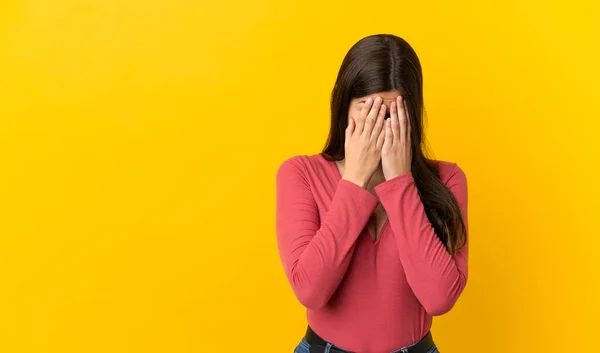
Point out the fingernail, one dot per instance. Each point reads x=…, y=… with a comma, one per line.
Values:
x=369, y=100
x=378, y=99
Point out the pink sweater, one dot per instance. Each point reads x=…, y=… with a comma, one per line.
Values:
x=360, y=295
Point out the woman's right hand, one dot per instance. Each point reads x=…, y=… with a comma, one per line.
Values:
x=364, y=141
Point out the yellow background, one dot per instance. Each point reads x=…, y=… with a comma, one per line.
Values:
x=139, y=142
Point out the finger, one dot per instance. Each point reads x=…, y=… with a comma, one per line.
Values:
x=360, y=121
x=402, y=120
x=393, y=114
x=372, y=117
x=396, y=121
x=349, y=129
x=388, y=139
x=381, y=138
x=379, y=123
x=408, y=131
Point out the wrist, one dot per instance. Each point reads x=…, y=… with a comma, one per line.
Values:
x=356, y=180
x=394, y=175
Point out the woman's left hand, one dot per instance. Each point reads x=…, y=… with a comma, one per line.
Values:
x=396, y=154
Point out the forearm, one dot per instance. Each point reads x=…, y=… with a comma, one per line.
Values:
x=436, y=277
x=316, y=253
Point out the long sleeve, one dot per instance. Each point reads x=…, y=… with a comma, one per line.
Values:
x=316, y=253
x=436, y=278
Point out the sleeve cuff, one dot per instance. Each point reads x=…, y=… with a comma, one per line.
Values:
x=362, y=193
x=394, y=183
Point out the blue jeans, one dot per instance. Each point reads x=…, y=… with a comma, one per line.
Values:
x=304, y=347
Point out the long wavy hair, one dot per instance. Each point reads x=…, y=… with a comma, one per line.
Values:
x=385, y=62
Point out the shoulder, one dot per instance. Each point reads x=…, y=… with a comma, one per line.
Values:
x=295, y=163
x=450, y=172
x=299, y=165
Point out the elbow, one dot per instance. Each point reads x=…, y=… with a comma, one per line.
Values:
x=440, y=306
x=311, y=298
x=444, y=302
x=309, y=292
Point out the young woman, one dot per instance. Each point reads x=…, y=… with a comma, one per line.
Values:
x=372, y=235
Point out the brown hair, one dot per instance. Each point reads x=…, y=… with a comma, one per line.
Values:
x=385, y=62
